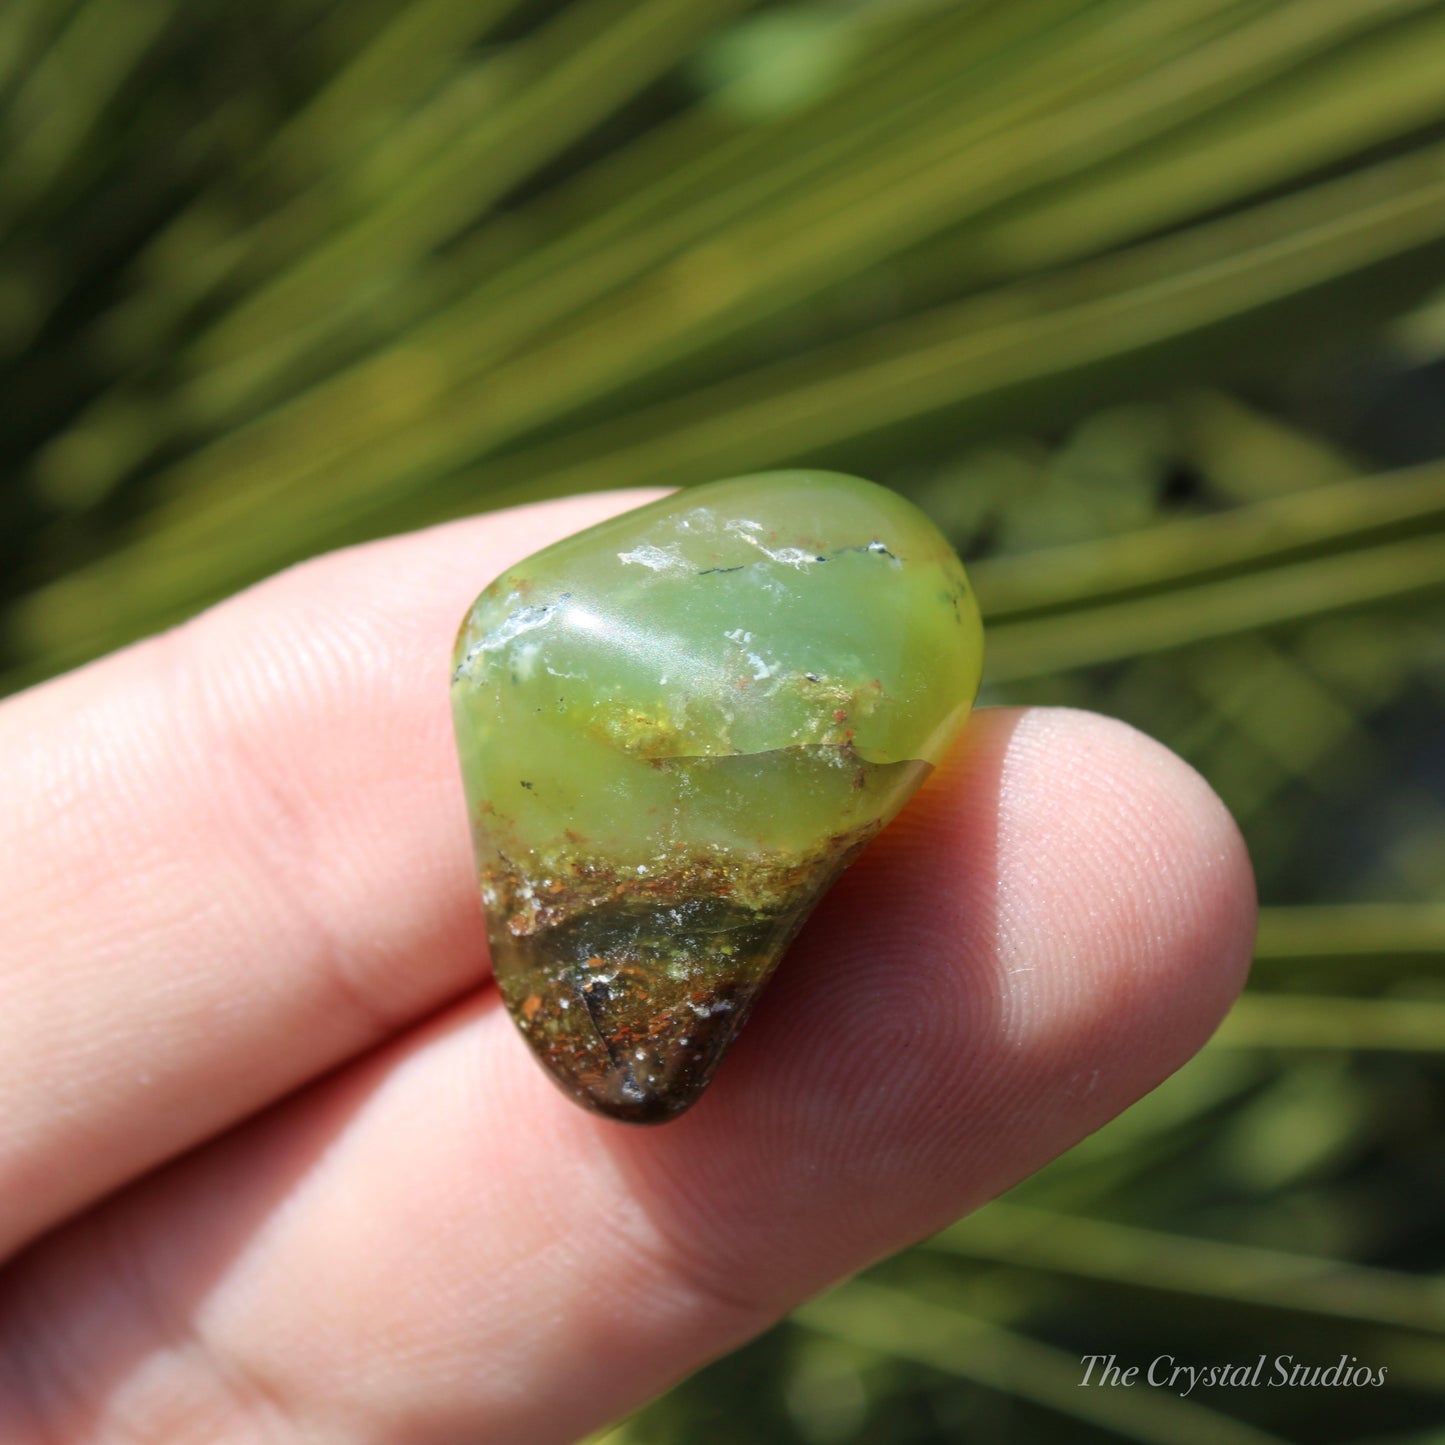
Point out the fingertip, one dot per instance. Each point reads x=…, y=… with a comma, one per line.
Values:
x=1056, y=923
x=1121, y=897
x=1120, y=858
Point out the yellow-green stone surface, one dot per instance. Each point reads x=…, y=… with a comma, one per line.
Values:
x=676, y=728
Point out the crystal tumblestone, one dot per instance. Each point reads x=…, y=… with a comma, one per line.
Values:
x=676, y=729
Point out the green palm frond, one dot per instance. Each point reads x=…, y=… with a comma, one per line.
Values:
x=895, y=1323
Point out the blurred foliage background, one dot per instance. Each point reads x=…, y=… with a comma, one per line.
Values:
x=1140, y=299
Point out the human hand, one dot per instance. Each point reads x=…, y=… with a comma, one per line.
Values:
x=274, y=1165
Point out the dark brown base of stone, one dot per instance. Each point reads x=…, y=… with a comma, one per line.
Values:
x=632, y=1005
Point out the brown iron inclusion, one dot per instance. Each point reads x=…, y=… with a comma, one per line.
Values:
x=676, y=729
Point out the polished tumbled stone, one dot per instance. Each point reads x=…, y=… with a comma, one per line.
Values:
x=676, y=728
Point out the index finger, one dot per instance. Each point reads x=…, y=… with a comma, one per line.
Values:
x=234, y=855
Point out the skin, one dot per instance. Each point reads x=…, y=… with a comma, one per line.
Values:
x=275, y=1167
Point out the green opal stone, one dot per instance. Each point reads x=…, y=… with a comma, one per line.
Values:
x=676, y=729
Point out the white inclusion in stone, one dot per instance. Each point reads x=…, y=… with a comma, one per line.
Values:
x=788, y=556
x=655, y=559
x=706, y=1010
x=794, y=556
x=760, y=668
x=518, y=621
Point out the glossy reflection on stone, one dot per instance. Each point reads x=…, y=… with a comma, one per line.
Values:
x=676, y=729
